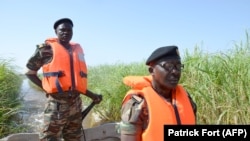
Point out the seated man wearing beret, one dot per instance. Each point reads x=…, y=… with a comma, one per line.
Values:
x=64, y=79
x=157, y=99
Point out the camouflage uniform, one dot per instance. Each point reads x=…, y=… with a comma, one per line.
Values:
x=62, y=112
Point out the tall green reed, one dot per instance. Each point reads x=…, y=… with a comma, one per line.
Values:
x=10, y=83
x=219, y=84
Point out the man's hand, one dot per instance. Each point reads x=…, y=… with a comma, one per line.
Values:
x=95, y=97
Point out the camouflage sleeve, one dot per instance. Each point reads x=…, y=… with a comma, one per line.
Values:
x=35, y=61
x=133, y=117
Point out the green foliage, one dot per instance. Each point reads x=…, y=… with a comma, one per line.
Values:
x=10, y=83
x=219, y=84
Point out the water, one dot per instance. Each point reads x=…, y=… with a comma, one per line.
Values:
x=33, y=106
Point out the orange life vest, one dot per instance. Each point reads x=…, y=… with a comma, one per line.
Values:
x=160, y=112
x=67, y=69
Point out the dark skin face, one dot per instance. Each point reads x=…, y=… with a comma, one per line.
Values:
x=64, y=32
x=166, y=75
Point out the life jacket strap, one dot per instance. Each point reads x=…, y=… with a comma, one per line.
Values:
x=57, y=75
x=83, y=74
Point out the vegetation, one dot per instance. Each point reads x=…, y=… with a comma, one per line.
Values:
x=219, y=83
x=10, y=83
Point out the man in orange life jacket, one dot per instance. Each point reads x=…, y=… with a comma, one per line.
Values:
x=64, y=79
x=156, y=99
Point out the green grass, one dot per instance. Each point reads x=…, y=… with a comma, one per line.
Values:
x=10, y=83
x=219, y=84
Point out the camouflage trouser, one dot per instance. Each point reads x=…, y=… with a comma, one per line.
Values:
x=62, y=118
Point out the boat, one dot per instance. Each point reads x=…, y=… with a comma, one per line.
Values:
x=103, y=132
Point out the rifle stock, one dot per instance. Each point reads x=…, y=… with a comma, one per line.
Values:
x=87, y=110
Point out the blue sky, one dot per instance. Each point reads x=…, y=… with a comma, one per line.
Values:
x=113, y=31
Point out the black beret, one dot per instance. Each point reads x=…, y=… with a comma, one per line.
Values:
x=166, y=52
x=63, y=20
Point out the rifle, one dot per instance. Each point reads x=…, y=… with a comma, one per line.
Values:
x=87, y=110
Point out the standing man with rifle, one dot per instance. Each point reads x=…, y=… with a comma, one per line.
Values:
x=64, y=79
